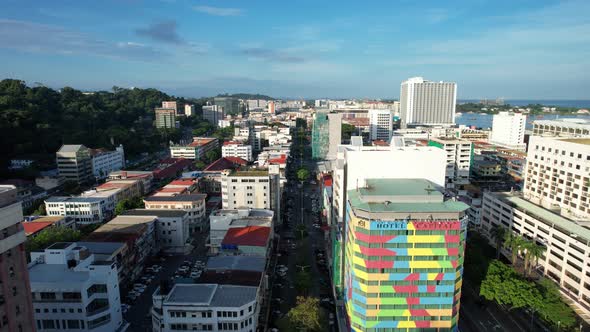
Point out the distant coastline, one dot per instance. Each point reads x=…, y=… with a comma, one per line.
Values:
x=548, y=102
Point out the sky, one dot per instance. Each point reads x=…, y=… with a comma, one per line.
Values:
x=517, y=49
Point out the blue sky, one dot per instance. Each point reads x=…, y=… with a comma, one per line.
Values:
x=516, y=49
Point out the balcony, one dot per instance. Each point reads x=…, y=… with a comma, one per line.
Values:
x=96, y=311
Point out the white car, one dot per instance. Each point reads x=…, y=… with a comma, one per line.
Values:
x=195, y=275
x=183, y=269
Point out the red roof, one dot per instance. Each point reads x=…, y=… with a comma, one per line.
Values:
x=247, y=236
x=281, y=160
x=197, y=141
x=32, y=227
x=225, y=163
x=171, y=190
x=380, y=142
x=231, y=143
x=182, y=183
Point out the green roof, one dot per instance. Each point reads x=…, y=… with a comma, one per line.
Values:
x=250, y=173
x=565, y=224
x=402, y=195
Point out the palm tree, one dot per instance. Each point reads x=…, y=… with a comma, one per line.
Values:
x=534, y=252
x=498, y=234
x=515, y=244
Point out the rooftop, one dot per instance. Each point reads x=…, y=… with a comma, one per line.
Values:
x=212, y=295
x=583, y=141
x=247, y=236
x=50, y=219
x=241, y=263
x=35, y=227
x=105, y=248
x=225, y=163
x=56, y=276
x=70, y=148
x=567, y=225
x=177, y=198
x=200, y=141
x=231, y=277
x=157, y=213
x=402, y=195
x=252, y=172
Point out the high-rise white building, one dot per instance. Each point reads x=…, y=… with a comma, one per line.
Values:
x=508, y=130
x=558, y=175
x=355, y=164
x=380, y=124
x=427, y=103
x=562, y=127
x=72, y=290
x=213, y=113
x=236, y=149
x=246, y=189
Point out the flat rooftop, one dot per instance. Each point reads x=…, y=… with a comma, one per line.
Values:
x=52, y=277
x=252, y=172
x=583, y=141
x=177, y=198
x=212, y=295
x=565, y=224
x=241, y=263
x=402, y=195
x=157, y=213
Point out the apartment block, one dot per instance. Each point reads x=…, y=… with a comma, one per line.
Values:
x=236, y=149
x=213, y=113
x=189, y=110
x=402, y=257
x=105, y=162
x=74, y=163
x=170, y=105
x=508, y=130
x=205, y=307
x=326, y=134
x=74, y=291
x=562, y=128
x=459, y=157
x=165, y=118
x=196, y=150
x=565, y=260
x=172, y=229
x=194, y=204
x=229, y=105
x=380, y=124
x=558, y=175
x=427, y=103
x=246, y=189
x=16, y=308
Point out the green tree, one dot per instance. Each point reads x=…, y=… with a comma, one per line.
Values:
x=212, y=155
x=531, y=257
x=514, y=243
x=498, y=235
x=504, y=286
x=200, y=165
x=347, y=131
x=306, y=314
x=50, y=235
x=554, y=310
x=303, y=282
x=302, y=174
x=128, y=204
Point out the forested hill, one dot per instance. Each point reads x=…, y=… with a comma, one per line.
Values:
x=38, y=120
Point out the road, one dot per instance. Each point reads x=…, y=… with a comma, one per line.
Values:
x=299, y=254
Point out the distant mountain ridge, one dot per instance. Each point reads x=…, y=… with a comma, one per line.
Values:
x=247, y=96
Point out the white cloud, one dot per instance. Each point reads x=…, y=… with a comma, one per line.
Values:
x=219, y=11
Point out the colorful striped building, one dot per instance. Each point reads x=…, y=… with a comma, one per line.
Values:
x=402, y=250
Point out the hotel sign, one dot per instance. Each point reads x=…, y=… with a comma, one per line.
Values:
x=391, y=225
x=436, y=225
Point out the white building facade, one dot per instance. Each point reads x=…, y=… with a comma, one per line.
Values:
x=73, y=291
x=105, y=162
x=205, y=307
x=459, y=155
x=235, y=149
x=172, y=229
x=248, y=189
x=557, y=175
x=428, y=103
x=508, y=130
x=380, y=124
x=84, y=210
x=194, y=204
x=213, y=113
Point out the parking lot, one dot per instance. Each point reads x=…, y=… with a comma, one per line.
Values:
x=138, y=308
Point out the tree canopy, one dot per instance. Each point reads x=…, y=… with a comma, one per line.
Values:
x=50, y=235
x=302, y=174
x=128, y=204
x=38, y=120
x=306, y=314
